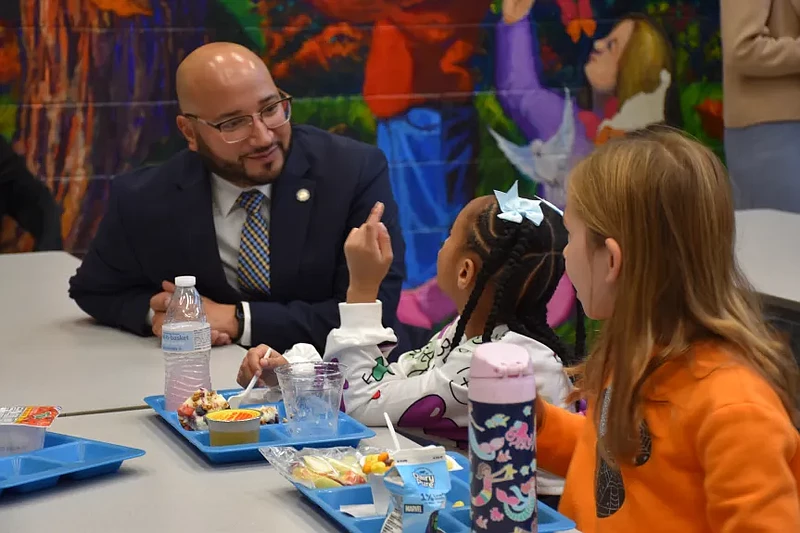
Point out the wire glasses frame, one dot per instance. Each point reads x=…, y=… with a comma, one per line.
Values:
x=236, y=129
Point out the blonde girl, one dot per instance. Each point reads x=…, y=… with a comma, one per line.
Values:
x=692, y=416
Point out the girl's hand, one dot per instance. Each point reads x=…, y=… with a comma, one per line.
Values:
x=261, y=360
x=368, y=250
x=516, y=10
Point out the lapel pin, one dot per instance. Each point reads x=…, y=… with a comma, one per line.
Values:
x=303, y=195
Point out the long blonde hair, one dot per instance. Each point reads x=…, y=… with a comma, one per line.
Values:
x=667, y=201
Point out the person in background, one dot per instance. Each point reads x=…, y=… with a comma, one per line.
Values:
x=500, y=265
x=28, y=201
x=257, y=208
x=692, y=398
x=761, y=84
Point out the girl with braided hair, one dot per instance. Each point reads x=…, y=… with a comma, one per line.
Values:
x=500, y=264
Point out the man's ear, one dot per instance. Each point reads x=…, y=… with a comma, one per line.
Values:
x=187, y=129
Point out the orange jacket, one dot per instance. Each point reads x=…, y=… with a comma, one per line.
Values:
x=724, y=457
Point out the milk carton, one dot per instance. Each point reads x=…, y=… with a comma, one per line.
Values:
x=418, y=483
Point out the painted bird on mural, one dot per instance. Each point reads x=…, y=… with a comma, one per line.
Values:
x=577, y=17
x=545, y=162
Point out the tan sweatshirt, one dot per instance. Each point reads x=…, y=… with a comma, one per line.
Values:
x=761, y=61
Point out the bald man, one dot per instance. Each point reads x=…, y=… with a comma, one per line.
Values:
x=257, y=208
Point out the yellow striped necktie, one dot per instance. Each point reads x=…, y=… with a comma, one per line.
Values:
x=253, y=269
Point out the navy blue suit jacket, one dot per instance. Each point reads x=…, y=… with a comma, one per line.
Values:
x=159, y=224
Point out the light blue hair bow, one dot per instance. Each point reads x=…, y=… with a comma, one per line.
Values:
x=514, y=209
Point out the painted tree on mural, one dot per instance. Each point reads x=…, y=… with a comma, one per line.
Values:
x=96, y=78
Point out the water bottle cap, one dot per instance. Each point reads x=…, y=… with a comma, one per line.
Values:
x=185, y=281
x=500, y=360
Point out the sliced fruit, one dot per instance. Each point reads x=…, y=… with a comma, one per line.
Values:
x=320, y=466
x=322, y=482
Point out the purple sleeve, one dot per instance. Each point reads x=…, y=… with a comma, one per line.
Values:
x=537, y=111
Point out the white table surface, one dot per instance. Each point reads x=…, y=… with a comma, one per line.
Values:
x=52, y=353
x=768, y=250
x=171, y=488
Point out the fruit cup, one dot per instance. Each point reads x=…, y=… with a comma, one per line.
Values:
x=230, y=427
x=376, y=466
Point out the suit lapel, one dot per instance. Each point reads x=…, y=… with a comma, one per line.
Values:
x=291, y=207
x=194, y=232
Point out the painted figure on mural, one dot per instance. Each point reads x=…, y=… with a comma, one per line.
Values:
x=419, y=86
x=629, y=72
x=630, y=75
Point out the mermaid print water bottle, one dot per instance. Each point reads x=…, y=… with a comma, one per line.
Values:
x=502, y=440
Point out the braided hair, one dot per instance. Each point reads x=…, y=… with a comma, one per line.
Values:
x=525, y=263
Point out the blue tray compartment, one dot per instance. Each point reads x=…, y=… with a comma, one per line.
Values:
x=62, y=457
x=451, y=519
x=351, y=433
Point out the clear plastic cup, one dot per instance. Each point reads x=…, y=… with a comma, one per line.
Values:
x=312, y=394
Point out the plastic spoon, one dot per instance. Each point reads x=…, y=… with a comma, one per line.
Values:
x=391, y=431
x=236, y=400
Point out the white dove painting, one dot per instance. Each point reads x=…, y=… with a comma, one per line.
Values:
x=546, y=162
x=641, y=109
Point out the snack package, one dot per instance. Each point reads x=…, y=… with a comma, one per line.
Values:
x=23, y=428
x=418, y=481
x=333, y=467
x=318, y=468
x=30, y=415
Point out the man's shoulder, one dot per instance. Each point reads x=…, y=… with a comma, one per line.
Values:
x=328, y=151
x=155, y=177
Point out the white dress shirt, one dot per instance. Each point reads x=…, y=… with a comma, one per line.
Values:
x=229, y=219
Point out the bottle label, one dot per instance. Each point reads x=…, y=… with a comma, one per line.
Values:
x=189, y=341
x=502, y=452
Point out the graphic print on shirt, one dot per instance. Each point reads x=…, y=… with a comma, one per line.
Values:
x=421, y=360
x=609, y=485
x=380, y=370
x=504, y=486
x=428, y=413
x=462, y=380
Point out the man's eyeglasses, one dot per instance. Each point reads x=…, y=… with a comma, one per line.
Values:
x=236, y=129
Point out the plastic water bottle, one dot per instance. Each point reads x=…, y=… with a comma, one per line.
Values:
x=502, y=440
x=186, y=342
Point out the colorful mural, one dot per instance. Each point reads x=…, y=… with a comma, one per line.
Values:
x=463, y=97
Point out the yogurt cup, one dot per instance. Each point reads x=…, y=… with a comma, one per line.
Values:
x=230, y=427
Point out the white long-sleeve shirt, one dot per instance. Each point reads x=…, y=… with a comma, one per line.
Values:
x=426, y=389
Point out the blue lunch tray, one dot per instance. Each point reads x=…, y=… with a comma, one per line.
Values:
x=451, y=519
x=351, y=432
x=61, y=457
